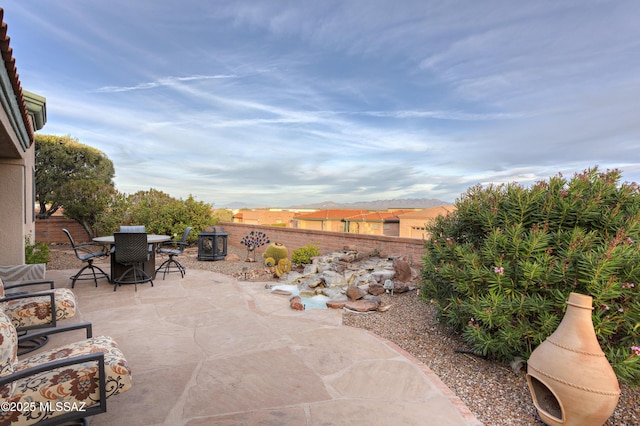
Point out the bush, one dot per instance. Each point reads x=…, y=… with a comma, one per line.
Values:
x=36, y=252
x=501, y=268
x=159, y=212
x=303, y=255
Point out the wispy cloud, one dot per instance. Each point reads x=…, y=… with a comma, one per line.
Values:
x=162, y=82
x=447, y=115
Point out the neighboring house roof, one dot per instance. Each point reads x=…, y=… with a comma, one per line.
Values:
x=351, y=215
x=430, y=213
x=331, y=214
x=377, y=216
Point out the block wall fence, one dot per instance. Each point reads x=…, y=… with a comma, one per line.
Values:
x=410, y=248
x=50, y=231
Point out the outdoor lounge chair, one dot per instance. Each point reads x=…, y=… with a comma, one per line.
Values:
x=87, y=253
x=35, y=310
x=132, y=250
x=67, y=383
x=173, y=248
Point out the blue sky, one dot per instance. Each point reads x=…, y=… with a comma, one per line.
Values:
x=276, y=103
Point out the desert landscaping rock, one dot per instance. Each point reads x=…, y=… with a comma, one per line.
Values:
x=402, y=270
x=296, y=303
x=376, y=289
x=355, y=293
x=362, y=305
x=399, y=287
x=333, y=279
x=337, y=304
x=349, y=273
x=382, y=275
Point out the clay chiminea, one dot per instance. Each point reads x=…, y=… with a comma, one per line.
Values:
x=569, y=378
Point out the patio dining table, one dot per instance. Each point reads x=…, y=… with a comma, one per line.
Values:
x=118, y=269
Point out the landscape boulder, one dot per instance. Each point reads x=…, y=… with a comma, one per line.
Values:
x=338, y=302
x=402, y=270
x=376, y=289
x=311, y=268
x=401, y=288
x=333, y=279
x=296, y=303
x=361, y=305
x=355, y=292
x=381, y=275
x=312, y=281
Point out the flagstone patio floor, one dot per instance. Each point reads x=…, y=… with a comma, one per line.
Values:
x=208, y=349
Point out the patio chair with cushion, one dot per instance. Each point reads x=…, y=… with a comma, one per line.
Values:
x=173, y=248
x=67, y=383
x=87, y=253
x=132, y=250
x=30, y=311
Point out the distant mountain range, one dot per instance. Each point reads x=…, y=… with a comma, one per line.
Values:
x=404, y=203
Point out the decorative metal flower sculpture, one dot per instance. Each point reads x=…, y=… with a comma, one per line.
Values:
x=252, y=241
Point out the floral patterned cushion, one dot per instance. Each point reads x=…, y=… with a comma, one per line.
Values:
x=67, y=385
x=37, y=310
x=8, y=349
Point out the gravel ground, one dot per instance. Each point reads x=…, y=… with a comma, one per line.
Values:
x=494, y=392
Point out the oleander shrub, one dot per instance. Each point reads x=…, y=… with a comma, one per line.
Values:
x=303, y=255
x=501, y=267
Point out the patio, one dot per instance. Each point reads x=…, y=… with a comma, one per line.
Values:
x=208, y=349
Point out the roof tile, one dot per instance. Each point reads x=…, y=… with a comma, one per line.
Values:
x=12, y=71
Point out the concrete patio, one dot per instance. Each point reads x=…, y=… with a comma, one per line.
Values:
x=208, y=349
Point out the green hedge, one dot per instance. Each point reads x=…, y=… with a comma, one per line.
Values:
x=501, y=268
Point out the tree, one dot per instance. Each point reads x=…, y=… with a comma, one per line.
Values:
x=85, y=201
x=223, y=215
x=61, y=162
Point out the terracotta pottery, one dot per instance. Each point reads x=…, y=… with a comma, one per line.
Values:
x=569, y=378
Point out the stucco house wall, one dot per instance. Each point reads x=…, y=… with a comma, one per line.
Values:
x=412, y=225
x=267, y=217
x=320, y=225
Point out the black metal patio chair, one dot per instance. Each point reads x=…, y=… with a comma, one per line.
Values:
x=173, y=248
x=87, y=253
x=132, y=250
